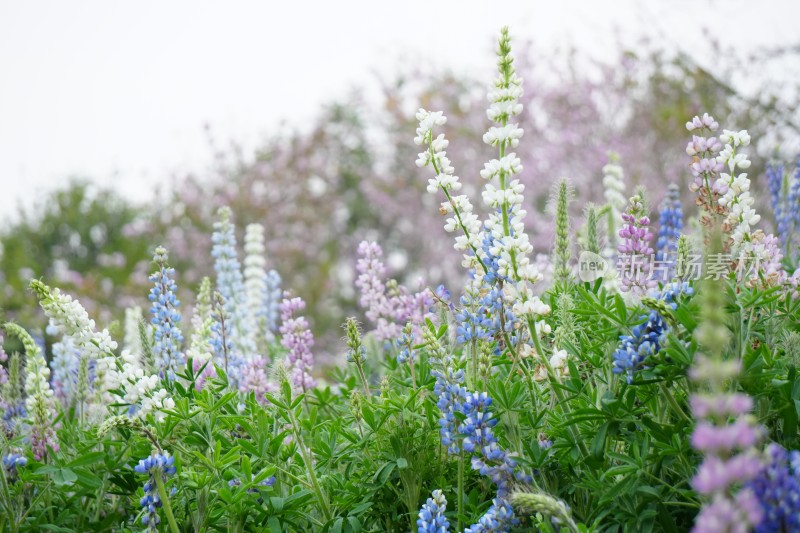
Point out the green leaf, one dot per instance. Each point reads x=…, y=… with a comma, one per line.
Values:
x=87, y=459
x=355, y=524
x=384, y=472
x=63, y=476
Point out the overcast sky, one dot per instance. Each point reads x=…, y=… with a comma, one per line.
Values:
x=119, y=92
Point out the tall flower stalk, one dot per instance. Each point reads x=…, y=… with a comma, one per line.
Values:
x=297, y=338
x=230, y=284
x=670, y=224
x=726, y=434
x=38, y=396
x=97, y=348
x=168, y=338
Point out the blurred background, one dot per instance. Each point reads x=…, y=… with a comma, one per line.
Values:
x=124, y=126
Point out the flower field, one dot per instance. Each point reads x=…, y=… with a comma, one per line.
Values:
x=636, y=370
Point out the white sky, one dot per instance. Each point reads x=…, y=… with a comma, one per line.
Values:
x=119, y=92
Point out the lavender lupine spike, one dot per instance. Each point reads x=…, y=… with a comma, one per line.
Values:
x=254, y=379
x=255, y=274
x=634, y=249
x=230, y=282
x=670, y=224
x=388, y=305
x=297, y=338
x=725, y=433
x=39, y=396
x=166, y=318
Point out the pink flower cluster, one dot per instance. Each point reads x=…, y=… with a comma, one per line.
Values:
x=297, y=338
x=389, y=308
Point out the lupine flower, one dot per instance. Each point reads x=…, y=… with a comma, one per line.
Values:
x=458, y=208
x=254, y=379
x=431, y=516
x=487, y=456
x=166, y=317
x=539, y=502
x=39, y=396
x=271, y=301
x=562, y=251
x=474, y=319
x=64, y=366
x=778, y=191
x=201, y=349
x=727, y=194
x=255, y=278
x=777, y=487
x=11, y=462
x=406, y=345
x=705, y=167
x=270, y=481
x=448, y=389
x=388, y=305
x=726, y=434
x=3, y=372
x=222, y=341
x=634, y=249
x=647, y=338
x=158, y=464
x=614, y=192
x=230, y=282
x=590, y=239
x=670, y=224
x=143, y=395
x=792, y=209
x=132, y=348
x=97, y=348
x=297, y=338
x=506, y=220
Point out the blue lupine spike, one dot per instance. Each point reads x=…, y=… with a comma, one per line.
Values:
x=166, y=317
x=669, y=230
x=647, y=338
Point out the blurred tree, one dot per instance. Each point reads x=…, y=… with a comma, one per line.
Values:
x=76, y=239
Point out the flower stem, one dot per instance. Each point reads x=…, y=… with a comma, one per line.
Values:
x=162, y=492
x=321, y=498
